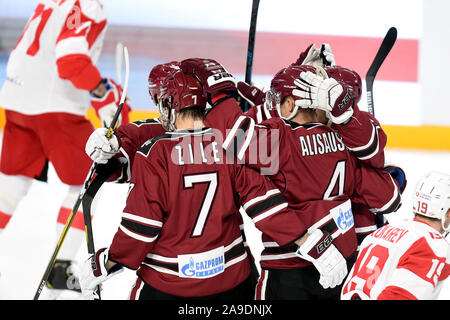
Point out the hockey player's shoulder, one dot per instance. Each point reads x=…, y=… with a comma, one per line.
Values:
x=150, y=144
x=140, y=123
x=93, y=9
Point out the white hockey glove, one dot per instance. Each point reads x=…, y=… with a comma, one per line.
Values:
x=327, y=55
x=94, y=273
x=327, y=94
x=319, y=250
x=318, y=58
x=99, y=148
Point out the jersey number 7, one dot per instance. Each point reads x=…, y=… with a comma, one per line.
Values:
x=202, y=216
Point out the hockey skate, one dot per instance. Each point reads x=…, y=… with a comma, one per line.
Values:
x=62, y=283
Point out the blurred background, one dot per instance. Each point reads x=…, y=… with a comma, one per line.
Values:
x=410, y=89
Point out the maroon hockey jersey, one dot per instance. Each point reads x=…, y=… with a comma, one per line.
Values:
x=180, y=226
x=364, y=137
x=131, y=137
x=306, y=162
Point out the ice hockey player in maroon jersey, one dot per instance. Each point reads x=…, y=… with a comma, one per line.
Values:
x=307, y=160
x=128, y=138
x=184, y=234
x=362, y=133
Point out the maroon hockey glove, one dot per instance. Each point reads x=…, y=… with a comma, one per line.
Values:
x=304, y=54
x=252, y=94
x=211, y=74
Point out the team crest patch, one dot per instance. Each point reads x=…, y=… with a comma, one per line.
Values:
x=202, y=265
x=343, y=216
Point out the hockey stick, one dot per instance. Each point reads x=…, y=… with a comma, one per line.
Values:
x=251, y=46
x=119, y=60
x=84, y=188
x=383, y=51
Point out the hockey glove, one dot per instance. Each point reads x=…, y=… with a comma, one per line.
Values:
x=252, y=94
x=327, y=94
x=211, y=74
x=99, y=148
x=94, y=273
x=315, y=57
x=398, y=175
x=106, y=106
x=319, y=250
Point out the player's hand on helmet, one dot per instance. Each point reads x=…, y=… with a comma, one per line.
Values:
x=329, y=262
x=320, y=92
x=99, y=148
x=315, y=57
x=213, y=76
x=106, y=105
x=94, y=272
x=251, y=93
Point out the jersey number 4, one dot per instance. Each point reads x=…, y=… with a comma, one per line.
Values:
x=337, y=182
x=211, y=179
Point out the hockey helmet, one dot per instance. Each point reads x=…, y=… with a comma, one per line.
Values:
x=156, y=77
x=432, y=196
x=179, y=91
x=282, y=85
x=348, y=77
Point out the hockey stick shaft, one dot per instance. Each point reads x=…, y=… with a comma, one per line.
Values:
x=83, y=190
x=119, y=60
x=383, y=51
x=87, y=218
x=251, y=46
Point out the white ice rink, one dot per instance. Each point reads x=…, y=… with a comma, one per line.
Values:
x=30, y=239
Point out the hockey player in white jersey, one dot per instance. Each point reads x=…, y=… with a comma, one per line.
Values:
x=50, y=76
x=407, y=260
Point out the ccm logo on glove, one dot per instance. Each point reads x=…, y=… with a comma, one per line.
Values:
x=346, y=99
x=324, y=244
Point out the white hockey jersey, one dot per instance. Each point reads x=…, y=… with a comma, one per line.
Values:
x=52, y=66
x=399, y=261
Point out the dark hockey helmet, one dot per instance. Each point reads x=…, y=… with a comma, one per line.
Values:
x=283, y=81
x=348, y=77
x=156, y=77
x=179, y=91
x=282, y=85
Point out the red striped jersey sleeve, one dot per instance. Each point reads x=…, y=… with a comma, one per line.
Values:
x=84, y=24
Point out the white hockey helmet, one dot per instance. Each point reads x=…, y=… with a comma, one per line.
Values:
x=432, y=196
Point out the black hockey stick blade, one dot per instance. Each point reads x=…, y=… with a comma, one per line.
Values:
x=251, y=47
x=383, y=51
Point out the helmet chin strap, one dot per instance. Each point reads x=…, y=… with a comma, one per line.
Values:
x=292, y=115
x=172, y=119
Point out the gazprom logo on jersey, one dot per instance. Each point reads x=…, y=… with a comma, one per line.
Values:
x=343, y=216
x=202, y=265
